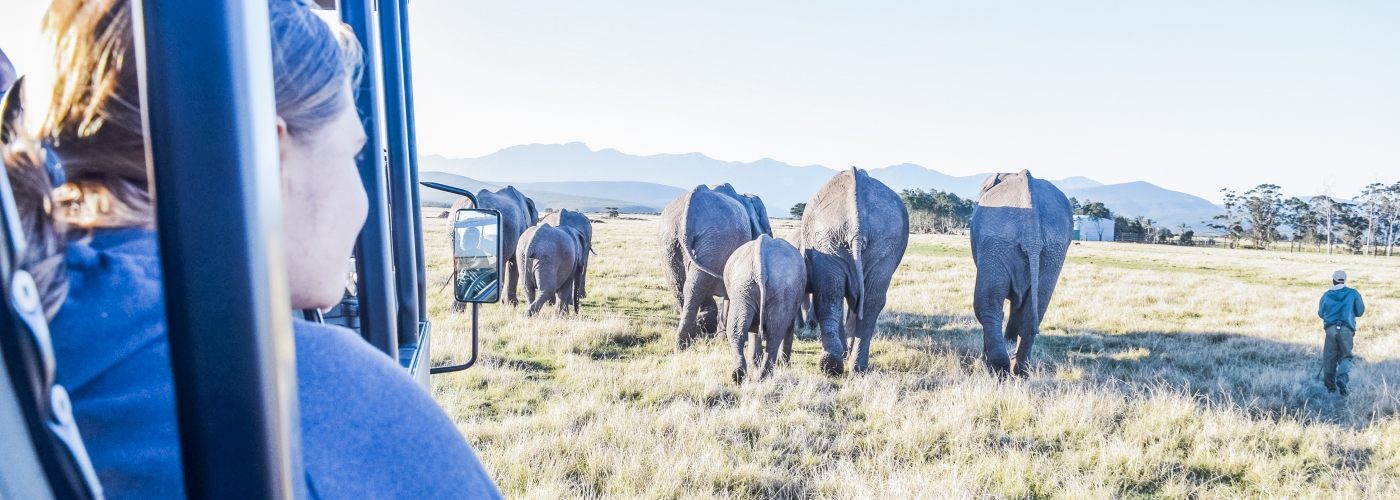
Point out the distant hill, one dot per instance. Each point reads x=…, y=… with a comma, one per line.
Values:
x=543, y=198
x=1165, y=206
x=779, y=184
x=637, y=193
x=573, y=170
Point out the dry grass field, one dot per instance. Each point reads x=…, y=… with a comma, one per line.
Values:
x=1161, y=372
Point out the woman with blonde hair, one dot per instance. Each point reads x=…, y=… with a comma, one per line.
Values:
x=368, y=431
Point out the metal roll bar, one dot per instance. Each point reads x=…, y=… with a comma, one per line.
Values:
x=206, y=85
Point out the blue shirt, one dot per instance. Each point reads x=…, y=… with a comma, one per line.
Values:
x=1340, y=307
x=368, y=430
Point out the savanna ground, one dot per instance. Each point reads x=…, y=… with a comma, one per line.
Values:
x=1160, y=372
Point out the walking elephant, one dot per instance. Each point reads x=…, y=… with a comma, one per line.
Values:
x=753, y=206
x=698, y=232
x=580, y=223
x=854, y=232
x=551, y=261
x=517, y=214
x=1021, y=231
x=767, y=283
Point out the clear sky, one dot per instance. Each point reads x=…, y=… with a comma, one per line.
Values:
x=1192, y=96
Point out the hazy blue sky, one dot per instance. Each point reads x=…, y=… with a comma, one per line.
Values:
x=1193, y=96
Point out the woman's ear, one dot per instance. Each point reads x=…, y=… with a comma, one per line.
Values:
x=284, y=140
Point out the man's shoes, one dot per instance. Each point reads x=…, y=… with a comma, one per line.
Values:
x=1342, y=389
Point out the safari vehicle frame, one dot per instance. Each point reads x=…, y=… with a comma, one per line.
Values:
x=208, y=66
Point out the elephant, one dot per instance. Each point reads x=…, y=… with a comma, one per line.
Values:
x=580, y=223
x=551, y=259
x=517, y=214
x=753, y=206
x=1021, y=231
x=767, y=282
x=854, y=233
x=697, y=233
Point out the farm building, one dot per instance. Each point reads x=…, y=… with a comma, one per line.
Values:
x=1086, y=229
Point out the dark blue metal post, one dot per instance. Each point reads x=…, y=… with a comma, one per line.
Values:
x=401, y=186
x=209, y=105
x=373, y=253
x=413, y=160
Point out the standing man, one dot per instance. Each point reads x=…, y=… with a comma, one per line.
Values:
x=1338, y=309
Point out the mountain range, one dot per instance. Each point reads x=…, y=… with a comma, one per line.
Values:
x=576, y=177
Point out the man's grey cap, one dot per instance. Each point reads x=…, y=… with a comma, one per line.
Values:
x=1339, y=276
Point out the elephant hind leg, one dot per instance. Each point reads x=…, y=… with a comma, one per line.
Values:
x=699, y=288
x=865, y=328
x=1022, y=326
x=512, y=279
x=988, y=296
x=544, y=283
x=778, y=334
x=740, y=315
x=566, y=296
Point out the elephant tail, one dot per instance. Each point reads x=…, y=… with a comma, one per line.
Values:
x=858, y=273
x=762, y=280
x=528, y=270
x=1033, y=255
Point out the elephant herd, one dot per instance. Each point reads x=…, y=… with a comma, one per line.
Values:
x=838, y=266
x=549, y=253
x=834, y=272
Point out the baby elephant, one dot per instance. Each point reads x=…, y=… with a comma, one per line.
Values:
x=766, y=279
x=551, y=259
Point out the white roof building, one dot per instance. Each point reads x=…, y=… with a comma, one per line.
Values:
x=1086, y=229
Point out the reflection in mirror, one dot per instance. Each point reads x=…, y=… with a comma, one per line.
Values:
x=476, y=251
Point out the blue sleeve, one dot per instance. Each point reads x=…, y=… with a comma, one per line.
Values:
x=369, y=431
x=1360, y=306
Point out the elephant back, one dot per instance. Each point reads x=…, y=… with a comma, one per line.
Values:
x=1019, y=208
x=547, y=242
x=854, y=209
x=576, y=221
x=515, y=213
x=754, y=210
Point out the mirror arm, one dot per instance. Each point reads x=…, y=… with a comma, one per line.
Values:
x=470, y=361
x=451, y=189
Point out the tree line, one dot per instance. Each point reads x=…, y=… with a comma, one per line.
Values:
x=931, y=211
x=935, y=211
x=1367, y=224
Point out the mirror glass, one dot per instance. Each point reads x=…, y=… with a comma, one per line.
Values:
x=476, y=252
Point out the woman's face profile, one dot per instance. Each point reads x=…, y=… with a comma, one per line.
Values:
x=323, y=205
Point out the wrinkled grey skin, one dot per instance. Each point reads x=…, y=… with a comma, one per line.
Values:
x=580, y=223
x=804, y=318
x=854, y=233
x=698, y=232
x=767, y=281
x=517, y=214
x=1019, y=251
x=552, y=262
x=753, y=206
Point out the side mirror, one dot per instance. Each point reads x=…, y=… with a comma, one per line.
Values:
x=476, y=255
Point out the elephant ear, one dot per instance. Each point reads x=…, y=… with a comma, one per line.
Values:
x=534, y=214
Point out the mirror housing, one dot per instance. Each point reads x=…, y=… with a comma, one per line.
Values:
x=476, y=255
